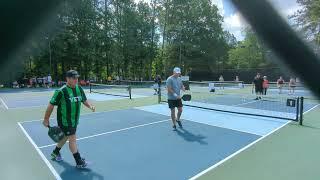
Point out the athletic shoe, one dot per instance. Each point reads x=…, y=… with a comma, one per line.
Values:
x=82, y=164
x=56, y=157
x=180, y=124
x=174, y=127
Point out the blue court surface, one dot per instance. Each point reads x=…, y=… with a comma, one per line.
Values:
x=275, y=105
x=141, y=144
x=297, y=92
x=24, y=100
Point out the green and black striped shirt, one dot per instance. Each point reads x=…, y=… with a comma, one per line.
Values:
x=69, y=102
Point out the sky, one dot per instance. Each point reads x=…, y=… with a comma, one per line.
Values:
x=234, y=23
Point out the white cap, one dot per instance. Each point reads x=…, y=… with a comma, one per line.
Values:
x=177, y=70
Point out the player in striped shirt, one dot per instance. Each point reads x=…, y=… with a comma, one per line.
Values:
x=68, y=99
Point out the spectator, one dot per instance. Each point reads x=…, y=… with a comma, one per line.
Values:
x=109, y=79
x=82, y=82
x=280, y=84
x=15, y=84
x=157, y=84
x=59, y=83
x=292, y=85
x=237, y=79
x=49, y=79
x=34, y=81
x=265, y=85
x=258, y=86
x=45, y=81
x=221, y=82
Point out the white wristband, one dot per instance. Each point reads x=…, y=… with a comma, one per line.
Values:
x=175, y=94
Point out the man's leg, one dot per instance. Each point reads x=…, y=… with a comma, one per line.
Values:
x=73, y=144
x=261, y=92
x=62, y=142
x=55, y=155
x=74, y=150
x=173, y=116
x=257, y=92
x=179, y=115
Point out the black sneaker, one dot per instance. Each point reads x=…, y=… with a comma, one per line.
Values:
x=81, y=164
x=179, y=123
x=56, y=157
x=256, y=98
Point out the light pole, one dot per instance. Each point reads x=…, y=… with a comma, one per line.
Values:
x=180, y=55
x=49, y=54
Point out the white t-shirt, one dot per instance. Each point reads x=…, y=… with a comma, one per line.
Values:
x=49, y=79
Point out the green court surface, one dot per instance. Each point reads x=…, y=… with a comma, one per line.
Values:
x=289, y=153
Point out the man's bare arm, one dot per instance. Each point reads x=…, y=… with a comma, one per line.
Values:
x=47, y=115
x=88, y=105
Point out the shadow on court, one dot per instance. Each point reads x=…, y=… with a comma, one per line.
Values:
x=71, y=172
x=190, y=137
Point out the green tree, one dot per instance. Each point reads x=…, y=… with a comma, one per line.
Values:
x=193, y=35
x=249, y=53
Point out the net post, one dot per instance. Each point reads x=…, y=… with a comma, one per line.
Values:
x=90, y=86
x=129, y=89
x=297, y=109
x=301, y=110
x=159, y=94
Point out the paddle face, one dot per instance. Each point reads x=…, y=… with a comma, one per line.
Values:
x=186, y=97
x=55, y=133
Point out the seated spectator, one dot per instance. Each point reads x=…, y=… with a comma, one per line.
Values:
x=15, y=84
x=83, y=83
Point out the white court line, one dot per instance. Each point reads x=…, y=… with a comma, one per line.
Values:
x=27, y=107
x=110, y=132
x=4, y=104
x=88, y=113
x=311, y=108
x=245, y=103
x=203, y=123
x=236, y=153
x=54, y=172
x=21, y=122
x=223, y=127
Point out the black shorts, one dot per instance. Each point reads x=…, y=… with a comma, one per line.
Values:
x=175, y=103
x=259, y=90
x=68, y=131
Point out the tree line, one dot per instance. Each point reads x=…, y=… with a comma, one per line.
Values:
x=102, y=38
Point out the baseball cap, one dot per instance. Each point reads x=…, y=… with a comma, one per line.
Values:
x=177, y=70
x=72, y=74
